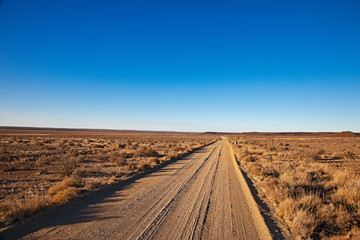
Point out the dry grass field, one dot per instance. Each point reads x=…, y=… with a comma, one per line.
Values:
x=39, y=169
x=311, y=182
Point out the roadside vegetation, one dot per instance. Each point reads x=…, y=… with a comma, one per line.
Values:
x=312, y=184
x=40, y=171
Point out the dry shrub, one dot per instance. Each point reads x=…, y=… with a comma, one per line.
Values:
x=249, y=158
x=17, y=209
x=111, y=180
x=94, y=184
x=345, y=176
x=286, y=209
x=348, y=195
x=254, y=168
x=94, y=169
x=309, y=203
x=65, y=183
x=300, y=214
x=147, y=152
x=153, y=161
x=303, y=223
x=65, y=195
x=341, y=178
x=131, y=167
x=68, y=165
x=321, y=151
x=270, y=171
x=65, y=190
x=347, y=192
x=117, y=159
x=143, y=165
x=116, y=171
x=171, y=156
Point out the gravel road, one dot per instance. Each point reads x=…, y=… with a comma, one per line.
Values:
x=196, y=197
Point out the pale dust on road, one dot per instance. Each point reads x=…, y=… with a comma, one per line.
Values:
x=197, y=197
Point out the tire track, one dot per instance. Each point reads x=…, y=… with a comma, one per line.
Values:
x=151, y=230
x=197, y=197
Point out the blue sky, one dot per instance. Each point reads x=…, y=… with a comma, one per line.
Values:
x=181, y=65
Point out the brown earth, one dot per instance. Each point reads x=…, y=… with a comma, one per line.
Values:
x=197, y=197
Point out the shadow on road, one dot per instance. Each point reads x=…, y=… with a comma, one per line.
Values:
x=77, y=210
x=264, y=209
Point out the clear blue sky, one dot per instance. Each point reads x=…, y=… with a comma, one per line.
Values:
x=181, y=65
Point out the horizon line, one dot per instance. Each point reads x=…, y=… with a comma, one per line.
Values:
x=160, y=131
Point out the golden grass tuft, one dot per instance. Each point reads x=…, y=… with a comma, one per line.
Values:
x=348, y=195
x=65, y=195
x=65, y=190
x=16, y=209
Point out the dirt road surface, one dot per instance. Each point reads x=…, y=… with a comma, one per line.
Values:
x=197, y=197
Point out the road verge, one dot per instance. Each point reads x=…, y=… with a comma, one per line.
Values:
x=85, y=198
x=259, y=221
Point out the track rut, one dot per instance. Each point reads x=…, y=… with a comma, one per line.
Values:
x=197, y=197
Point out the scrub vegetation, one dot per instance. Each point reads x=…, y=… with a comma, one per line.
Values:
x=311, y=183
x=37, y=171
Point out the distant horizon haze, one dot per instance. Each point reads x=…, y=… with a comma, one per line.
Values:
x=25, y=128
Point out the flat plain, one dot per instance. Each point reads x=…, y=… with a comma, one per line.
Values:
x=39, y=169
x=197, y=195
x=310, y=181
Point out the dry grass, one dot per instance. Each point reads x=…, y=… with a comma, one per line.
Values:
x=311, y=183
x=68, y=165
x=65, y=190
x=65, y=195
x=17, y=209
x=51, y=169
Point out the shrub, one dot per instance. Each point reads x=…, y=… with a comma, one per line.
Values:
x=17, y=209
x=348, y=195
x=143, y=165
x=147, y=152
x=96, y=183
x=65, y=183
x=341, y=178
x=249, y=158
x=65, y=195
x=119, y=160
x=153, y=161
x=131, y=167
x=171, y=156
x=68, y=165
x=65, y=190
x=254, y=168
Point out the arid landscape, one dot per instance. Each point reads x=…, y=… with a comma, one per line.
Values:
x=288, y=185
x=219, y=120
x=310, y=181
x=43, y=168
